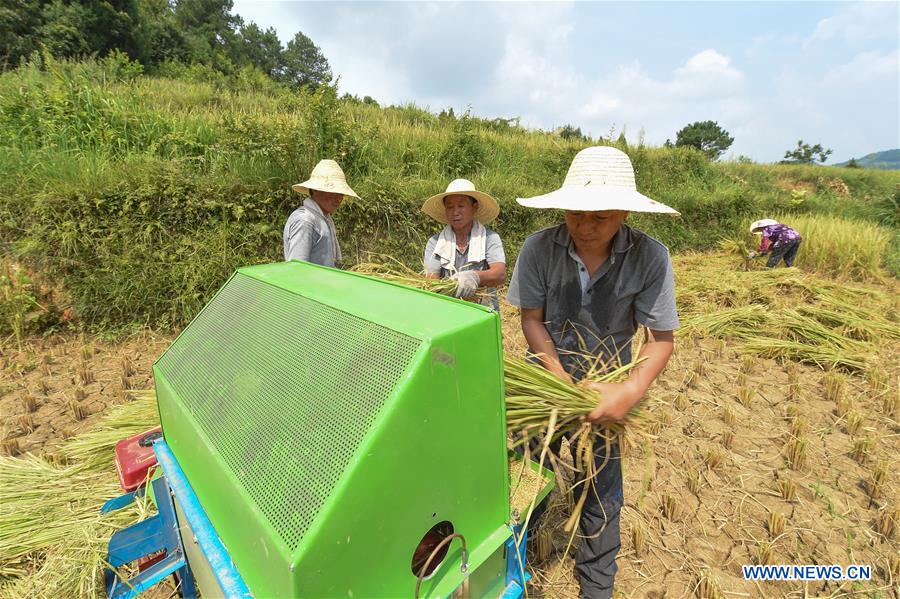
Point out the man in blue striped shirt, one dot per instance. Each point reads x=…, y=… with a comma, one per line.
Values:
x=309, y=233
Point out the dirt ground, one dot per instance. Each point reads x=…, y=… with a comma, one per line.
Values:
x=54, y=388
x=724, y=495
x=699, y=496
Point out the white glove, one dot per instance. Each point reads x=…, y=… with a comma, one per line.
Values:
x=467, y=282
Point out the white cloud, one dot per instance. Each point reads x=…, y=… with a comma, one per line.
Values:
x=706, y=75
x=549, y=92
x=709, y=62
x=600, y=104
x=858, y=22
x=865, y=66
x=538, y=62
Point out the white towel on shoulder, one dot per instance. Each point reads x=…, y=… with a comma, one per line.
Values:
x=445, y=248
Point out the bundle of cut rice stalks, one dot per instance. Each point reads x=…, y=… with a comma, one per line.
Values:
x=794, y=334
x=533, y=393
x=539, y=402
x=737, y=247
x=391, y=269
x=52, y=535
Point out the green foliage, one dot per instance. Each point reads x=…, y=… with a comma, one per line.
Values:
x=887, y=210
x=303, y=64
x=463, y=156
x=19, y=22
x=706, y=136
x=571, y=132
x=209, y=31
x=16, y=300
x=806, y=154
x=852, y=163
x=163, y=36
x=23, y=310
x=139, y=195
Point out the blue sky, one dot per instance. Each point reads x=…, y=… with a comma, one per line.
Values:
x=769, y=72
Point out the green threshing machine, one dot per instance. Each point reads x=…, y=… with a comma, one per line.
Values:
x=328, y=434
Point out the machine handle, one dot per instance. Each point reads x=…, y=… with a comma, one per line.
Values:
x=448, y=539
x=148, y=439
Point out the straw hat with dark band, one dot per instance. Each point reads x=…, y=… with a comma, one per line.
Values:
x=600, y=178
x=488, y=207
x=328, y=177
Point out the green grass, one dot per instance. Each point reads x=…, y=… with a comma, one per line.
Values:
x=140, y=195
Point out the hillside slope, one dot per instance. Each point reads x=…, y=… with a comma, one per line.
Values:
x=139, y=196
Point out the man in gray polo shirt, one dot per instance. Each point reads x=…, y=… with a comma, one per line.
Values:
x=583, y=288
x=309, y=232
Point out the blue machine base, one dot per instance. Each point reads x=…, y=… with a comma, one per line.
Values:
x=161, y=533
x=517, y=575
x=146, y=538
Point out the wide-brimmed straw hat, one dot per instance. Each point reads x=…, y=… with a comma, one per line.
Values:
x=327, y=176
x=600, y=178
x=762, y=224
x=488, y=207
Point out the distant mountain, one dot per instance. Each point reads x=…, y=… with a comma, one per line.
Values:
x=887, y=160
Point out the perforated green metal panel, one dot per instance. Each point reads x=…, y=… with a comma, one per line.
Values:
x=276, y=379
x=326, y=420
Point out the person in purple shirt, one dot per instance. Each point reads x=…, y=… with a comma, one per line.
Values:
x=778, y=240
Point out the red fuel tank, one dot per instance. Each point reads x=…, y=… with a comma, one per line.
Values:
x=135, y=457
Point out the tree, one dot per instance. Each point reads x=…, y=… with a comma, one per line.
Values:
x=19, y=22
x=570, y=132
x=303, y=64
x=161, y=38
x=261, y=49
x=209, y=31
x=806, y=154
x=74, y=29
x=706, y=136
x=64, y=31
x=852, y=163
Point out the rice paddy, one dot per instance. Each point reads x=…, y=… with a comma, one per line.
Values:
x=770, y=438
x=767, y=440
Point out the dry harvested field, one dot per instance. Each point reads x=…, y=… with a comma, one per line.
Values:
x=772, y=440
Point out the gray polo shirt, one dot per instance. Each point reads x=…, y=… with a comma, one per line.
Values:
x=493, y=253
x=309, y=235
x=598, y=315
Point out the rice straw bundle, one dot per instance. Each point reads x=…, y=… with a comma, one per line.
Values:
x=825, y=357
x=807, y=333
x=538, y=401
x=736, y=246
x=864, y=328
x=395, y=271
x=798, y=327
x=94, y=450
x=741, y=323
x=52, y=535
x=533, y=393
